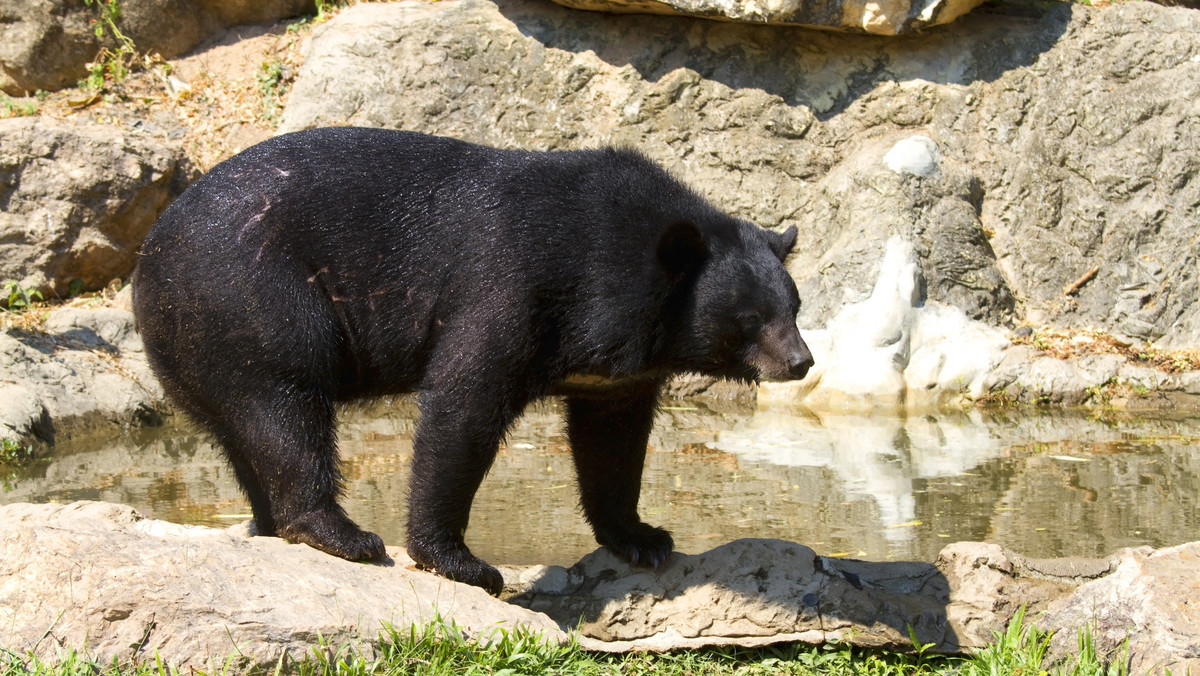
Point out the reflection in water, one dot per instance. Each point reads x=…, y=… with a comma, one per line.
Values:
x=877, y=487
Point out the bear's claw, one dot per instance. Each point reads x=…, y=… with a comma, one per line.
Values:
x=460, y=565
x=334, y=534
x=639, y=544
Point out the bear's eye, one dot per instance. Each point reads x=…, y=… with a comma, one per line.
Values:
x=752, y=322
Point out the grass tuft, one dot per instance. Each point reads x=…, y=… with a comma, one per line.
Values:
x=442, y=647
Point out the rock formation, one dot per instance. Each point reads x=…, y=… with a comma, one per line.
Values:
x=100, y=578
x=84, y=368
x=895, y=17
x=79, y=200
x=1053, y=157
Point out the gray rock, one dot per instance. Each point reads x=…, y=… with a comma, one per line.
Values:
x=100, y=578
x=22, y=414
x=1056, y=158
x=85, y=369
x=48, y=42
x=1149, y=600
x=758, y=592
x=78, y=201
x=881, y=18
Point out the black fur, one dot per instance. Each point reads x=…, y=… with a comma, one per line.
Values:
x=335, y=264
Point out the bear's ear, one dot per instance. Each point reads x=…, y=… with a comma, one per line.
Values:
x=781, y=243
x=681, y=249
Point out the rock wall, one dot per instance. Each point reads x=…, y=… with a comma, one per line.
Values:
x=1056, y=156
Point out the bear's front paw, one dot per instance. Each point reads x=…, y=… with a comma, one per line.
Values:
x=640, y=544
x=458, y=564
x=335, y=534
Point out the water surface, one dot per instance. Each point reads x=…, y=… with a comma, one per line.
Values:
x=877, y=487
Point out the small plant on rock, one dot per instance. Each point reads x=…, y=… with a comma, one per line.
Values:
x=110, y=65
x=14, y=454
x=10, y=107
x=17, y=298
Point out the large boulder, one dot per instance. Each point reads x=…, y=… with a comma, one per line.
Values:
x=47, y=43
x=101, y=578
x=1144, y=611
x=895, y=17
x=79, y=200
x=1052, y=158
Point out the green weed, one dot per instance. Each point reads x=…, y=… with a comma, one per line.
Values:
x=14, y=454
x=272, y=85
x=110, y=65
x=17, y=298
x=442, y=647
x=10, y=107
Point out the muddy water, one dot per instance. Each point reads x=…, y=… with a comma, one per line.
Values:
x=877, y=487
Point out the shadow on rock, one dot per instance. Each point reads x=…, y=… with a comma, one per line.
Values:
x=747, y=592
x=821, y=70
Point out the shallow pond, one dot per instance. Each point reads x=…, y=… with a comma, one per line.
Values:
x=876, y=487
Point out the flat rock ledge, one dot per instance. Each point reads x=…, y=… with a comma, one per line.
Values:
x=102, y=578
x=889, y=17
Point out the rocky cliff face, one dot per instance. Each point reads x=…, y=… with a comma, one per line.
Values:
x=1064, y=191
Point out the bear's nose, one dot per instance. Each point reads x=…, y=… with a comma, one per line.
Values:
x=799, y=362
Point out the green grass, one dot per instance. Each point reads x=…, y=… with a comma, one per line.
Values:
x=442, y=648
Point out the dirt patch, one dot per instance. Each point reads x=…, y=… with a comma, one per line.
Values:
x=217, y=100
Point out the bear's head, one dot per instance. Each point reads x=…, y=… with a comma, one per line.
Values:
x=737, y=302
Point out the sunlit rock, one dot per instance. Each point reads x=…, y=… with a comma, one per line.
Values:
x=79, y=200
x=1144, y=611
x=85, y=367
x=101, y=579
x=886, y=17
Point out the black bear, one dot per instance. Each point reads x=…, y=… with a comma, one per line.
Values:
x=335, y=264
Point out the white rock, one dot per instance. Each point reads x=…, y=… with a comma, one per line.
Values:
x=916, y=155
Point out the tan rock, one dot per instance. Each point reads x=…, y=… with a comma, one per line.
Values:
x=758, y=592
x=100, y=578
x=1150, y=599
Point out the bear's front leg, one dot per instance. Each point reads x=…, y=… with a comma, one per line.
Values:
x=454, y=446
x=608, y=436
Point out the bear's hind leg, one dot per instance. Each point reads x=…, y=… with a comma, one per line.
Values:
x=608, y=438
x=286, y=441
